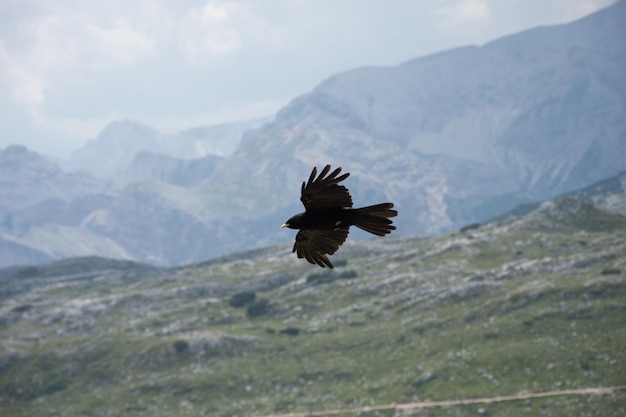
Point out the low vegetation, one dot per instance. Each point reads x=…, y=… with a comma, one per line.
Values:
x=493, y=310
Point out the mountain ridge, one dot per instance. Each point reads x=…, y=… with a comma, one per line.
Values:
x=452, y=139
x=120, y=141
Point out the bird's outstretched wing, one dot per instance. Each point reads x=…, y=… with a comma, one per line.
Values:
x=314, y=245
x=324, y=191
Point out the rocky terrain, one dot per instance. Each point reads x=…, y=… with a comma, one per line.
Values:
x=528, y=303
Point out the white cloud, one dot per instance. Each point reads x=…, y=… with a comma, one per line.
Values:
x=211, y=29
x=574, y=9
x=27, y=88
x=460, y=12
x=222, y=28
x=54, y=54
x=62, y=43
x=120, y=44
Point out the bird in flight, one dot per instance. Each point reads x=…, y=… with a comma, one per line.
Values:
x=328, y=215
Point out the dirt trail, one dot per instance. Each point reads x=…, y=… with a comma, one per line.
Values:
x=443, y=403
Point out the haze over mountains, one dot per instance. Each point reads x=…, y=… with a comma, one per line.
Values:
x=452, y=138
x=115, y=148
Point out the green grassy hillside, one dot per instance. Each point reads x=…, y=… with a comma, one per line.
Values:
x=530, y=304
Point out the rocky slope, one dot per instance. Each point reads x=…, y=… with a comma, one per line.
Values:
x=26, y=179
x=528, y=304
x=531, y=115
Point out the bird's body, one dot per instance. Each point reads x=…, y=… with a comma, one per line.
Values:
x=328, y=215
x=324, y=219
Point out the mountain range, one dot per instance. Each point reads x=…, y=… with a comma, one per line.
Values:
x=452, y=139
x=116, y=146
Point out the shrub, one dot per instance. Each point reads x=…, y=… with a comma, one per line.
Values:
x=242, y=298
x=291, y=331
x=258, y=308
x=469, y=227
x=320, y=278
x=180, y=346
x=329, y=276
x=349, y=274
x=22, y=308
x=28, y=272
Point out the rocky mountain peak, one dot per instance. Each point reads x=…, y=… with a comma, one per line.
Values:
x=452, y=139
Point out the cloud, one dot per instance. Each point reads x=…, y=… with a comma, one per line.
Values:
x=212, y=29
x=51, y=55
x=222, y=28
x=27, y=88
x=574, y=9
x=461, y=12
x=61, y=43
x=120, y=44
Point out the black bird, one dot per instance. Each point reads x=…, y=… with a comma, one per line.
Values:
x=328, y=215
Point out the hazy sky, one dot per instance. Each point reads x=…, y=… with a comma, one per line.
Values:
x=69, y=67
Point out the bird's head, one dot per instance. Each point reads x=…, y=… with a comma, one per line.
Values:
x=294, y=222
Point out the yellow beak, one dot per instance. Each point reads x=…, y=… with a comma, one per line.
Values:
x=284, y=225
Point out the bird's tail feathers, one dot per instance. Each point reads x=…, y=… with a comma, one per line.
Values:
x=375, y=219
